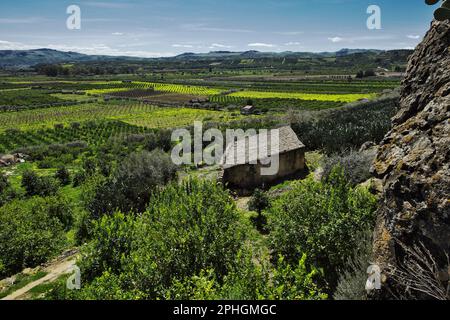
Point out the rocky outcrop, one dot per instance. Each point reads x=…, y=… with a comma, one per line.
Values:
x=414, y=162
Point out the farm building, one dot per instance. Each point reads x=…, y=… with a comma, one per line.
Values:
x=244, y=173
x=248, y=110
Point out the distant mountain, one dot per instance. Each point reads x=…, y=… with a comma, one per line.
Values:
x=28, y=58
x=24, y=58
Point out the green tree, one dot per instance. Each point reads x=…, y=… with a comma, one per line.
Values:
x=321, y=220
x=30, y=233
x=63, y=175
x=35, y=185
x=258, y=203
x=130, y=186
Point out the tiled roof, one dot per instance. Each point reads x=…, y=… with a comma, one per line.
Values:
x=245, y=150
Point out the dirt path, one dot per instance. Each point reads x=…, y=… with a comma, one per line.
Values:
x=55, y=270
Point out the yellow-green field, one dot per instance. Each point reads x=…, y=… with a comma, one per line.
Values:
x=302, y=96
x=139, y=114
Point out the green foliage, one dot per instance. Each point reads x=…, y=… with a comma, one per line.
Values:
x=4, y=183
x=258, y=203
x=27, y=98
x=130, y=186
x=111, y=246
x=63, y=175
x=35, y=185
x=356, y=166
x=352, y=279
x=6, y=192
x=321, y=220
x=344, y=129
x=251, y=282
x=30, y=232
x=187, y=228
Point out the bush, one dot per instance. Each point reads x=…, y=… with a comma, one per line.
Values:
x=321, y=220
x=38, y=186
x=353, y=277
x=187, y=228
x=63, y=175
x=4, y=183
x=130, y=186
x=251, y=281
x=340, y=130
x=79, y=178
x=6, y=192
x=356, y=166
x=30, y=233
x=159, y=140
x=258, y=203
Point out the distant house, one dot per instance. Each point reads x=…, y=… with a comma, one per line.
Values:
x=11, y=159
x=247, y=110
x=244, y=173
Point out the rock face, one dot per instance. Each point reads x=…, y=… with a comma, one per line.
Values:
x=414, y=160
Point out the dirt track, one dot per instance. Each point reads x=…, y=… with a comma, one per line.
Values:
x=55, y=270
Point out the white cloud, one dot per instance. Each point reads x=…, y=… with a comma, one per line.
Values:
x=8, y=45
x=176, y=45
x=289, y=33
x=292, y=43
x=336, y=39
x=28, y=20
x=353, y=39
x=204, y=27
x=219, y=46
x=92, y=49
x=260, y=44
x=106, y=5
x=411, y=36
x=117, y=33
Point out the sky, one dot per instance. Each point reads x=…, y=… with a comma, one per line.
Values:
x=157, y=28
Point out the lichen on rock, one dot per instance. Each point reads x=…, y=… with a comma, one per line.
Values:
x=414, y=160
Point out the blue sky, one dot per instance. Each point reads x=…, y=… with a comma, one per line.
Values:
x=153, y=28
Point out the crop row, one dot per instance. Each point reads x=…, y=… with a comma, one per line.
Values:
x=92, y=132
x=134, y=113
x=226, y=101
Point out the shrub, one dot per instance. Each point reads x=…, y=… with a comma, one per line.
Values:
x=353, y=277
x=6, y=192
x=38, y=186
x=251, y=282
x=30, y=234
x=348, y=128
x=356, y=166
x=79, y=178
x=258, y=203
x=187, y=228
x=130, y=186
x=63, y=175
x=321, y=220
x=89, y=166
x=4, y=183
